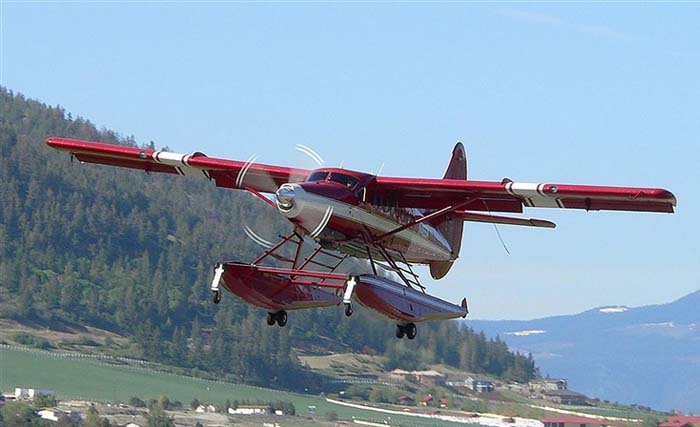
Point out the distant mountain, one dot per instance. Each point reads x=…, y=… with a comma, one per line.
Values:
x=646, y=355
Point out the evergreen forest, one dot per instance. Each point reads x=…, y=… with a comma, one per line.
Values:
x=132, y=253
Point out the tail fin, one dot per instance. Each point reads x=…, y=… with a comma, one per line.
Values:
x=452, y=229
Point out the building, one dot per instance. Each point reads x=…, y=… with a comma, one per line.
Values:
x=680, y=421
x=572, y=421
x=398, y=374
x=430, y=377
x=30, y=393
x=53, y=414
x=205, y=408
x=549, y=384
x=566, y=397
x=479, y=385
x=426, y=400
x=251, y=410
x=49, y=414
x=457, y=382
x=443, y=403
x=407, y=401
x=132, y=425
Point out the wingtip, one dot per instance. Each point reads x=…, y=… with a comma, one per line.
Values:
x=672, y=197
x=51, y=141
x=667, y=195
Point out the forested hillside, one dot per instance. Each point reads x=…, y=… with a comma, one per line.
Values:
x=133, y=253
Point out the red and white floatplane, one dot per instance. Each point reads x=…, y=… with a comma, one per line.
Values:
x=393, y=223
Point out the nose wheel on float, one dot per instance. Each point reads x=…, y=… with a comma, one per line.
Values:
x=410, y=330
x=279, y=317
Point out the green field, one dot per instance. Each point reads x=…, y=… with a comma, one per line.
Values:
x=95, y=380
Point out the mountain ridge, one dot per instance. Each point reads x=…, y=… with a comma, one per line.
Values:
x=647, y=355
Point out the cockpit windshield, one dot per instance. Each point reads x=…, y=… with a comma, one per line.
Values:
x=317, y=176
x=347, y=180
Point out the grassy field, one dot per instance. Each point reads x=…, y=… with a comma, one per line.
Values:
x=95, y=380
x=621, y=412
x=605, y=410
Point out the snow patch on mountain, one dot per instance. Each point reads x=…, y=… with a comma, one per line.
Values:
x=526, y=333
x=619, y=309
x=658, y=325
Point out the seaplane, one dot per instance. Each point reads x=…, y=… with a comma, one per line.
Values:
x=391, y=224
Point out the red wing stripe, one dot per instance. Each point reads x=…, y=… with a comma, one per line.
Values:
x=509, y=188
x=438, y=193
x=264, y=178
x=540, y=188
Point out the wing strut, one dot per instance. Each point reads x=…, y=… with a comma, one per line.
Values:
x=496, y=219
x=429, y=217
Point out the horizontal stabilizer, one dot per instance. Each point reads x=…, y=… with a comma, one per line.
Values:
x=495, y=219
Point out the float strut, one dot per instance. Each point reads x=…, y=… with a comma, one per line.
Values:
x=216, y=292
x=347, y=295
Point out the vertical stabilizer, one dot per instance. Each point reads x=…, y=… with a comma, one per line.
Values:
x=452, y=228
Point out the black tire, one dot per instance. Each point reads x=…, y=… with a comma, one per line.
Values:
x=270, y=319
x=411, y=331
x=348, y=310
x=281, y=318
x=217, y=297
x=399, y=331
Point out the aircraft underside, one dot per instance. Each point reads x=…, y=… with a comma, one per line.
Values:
x=276, y=290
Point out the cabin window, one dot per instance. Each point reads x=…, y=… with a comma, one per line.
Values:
x=347, y=180
x=317, y=176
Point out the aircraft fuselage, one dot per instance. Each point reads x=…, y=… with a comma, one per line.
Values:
x=335, y=215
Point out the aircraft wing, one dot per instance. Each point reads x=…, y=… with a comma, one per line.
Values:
x=508, y=196
x=225, y=173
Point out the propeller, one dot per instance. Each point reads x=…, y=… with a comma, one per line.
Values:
x=282, y=198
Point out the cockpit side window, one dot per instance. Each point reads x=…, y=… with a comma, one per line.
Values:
x=317, y=176
x=348, y=181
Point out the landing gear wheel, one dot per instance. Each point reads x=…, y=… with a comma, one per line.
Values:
x=399, y=331
x=348, y=310
x=271, y=319
x=217, y=297
x=281, y=318
x=411, y=331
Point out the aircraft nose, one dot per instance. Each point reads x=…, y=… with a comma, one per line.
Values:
x=285, y=197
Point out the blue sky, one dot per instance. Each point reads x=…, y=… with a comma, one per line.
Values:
x=588, y=93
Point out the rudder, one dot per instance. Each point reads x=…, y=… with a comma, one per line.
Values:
x=452, y=229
